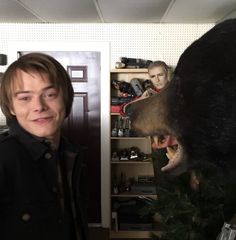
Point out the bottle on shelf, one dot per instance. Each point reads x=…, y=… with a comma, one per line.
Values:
x=115, y=189
x=122, y=183
x=127, y=127
x=114, y=132
x=120, y=128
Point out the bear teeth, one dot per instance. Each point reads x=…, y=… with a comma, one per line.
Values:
x=174, y=152
x=171, y=151
x=175, y=156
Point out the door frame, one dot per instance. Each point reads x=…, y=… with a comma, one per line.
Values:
x=104, y=49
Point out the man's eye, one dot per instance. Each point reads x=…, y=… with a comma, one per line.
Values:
x=51, y=95
x=24, y=98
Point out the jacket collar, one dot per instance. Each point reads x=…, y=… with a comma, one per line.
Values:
x=36, y=146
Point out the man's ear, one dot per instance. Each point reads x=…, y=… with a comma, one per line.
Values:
x=12, y=112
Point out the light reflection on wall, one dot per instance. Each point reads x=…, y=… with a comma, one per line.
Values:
x=2, y=117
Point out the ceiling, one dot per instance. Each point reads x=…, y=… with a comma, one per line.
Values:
x=116, y=11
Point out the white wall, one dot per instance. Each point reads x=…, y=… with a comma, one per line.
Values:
x=148, y=41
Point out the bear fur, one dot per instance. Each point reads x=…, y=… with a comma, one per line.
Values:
x=199, y=108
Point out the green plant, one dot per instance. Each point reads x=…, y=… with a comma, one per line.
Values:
x=187, y=214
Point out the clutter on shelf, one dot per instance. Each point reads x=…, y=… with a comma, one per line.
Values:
x=125, y=62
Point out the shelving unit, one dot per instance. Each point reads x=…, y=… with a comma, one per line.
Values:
x=128, y=172
x=132, y=234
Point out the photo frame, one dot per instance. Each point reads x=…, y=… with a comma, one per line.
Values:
x=77, y=73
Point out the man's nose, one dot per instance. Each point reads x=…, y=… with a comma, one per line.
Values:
x=39, y=104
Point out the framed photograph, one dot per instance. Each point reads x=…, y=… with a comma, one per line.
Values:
x=77, y=73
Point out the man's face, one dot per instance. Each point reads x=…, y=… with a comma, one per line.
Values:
x=38, y=105
x=158, y=77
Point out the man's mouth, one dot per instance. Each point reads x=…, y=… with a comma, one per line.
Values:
x=174, y=152
x=42, y=120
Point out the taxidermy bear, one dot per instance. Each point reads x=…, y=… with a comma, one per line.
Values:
x=198, y=111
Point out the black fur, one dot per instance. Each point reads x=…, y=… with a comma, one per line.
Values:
x=199, y=106
x=205, y=86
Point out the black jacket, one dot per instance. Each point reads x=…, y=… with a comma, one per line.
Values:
x=30, y=208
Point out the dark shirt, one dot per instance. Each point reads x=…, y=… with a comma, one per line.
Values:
x=41, y=180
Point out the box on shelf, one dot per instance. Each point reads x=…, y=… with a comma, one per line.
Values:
x=115, y=109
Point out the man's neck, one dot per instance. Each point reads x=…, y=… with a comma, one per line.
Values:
x=54, y=142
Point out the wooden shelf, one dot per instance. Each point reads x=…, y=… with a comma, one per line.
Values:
x=130, y=70
x=131, y=169
x=115, y=114
x=133, y=195
x=148, y=161
x=128, y=138
x=132, y=234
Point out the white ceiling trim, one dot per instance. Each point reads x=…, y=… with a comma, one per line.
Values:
x=30, y=10
x=99, y=10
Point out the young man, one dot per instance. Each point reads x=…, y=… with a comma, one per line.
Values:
x=41, y=174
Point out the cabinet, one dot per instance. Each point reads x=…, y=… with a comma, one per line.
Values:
x=131, y=178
